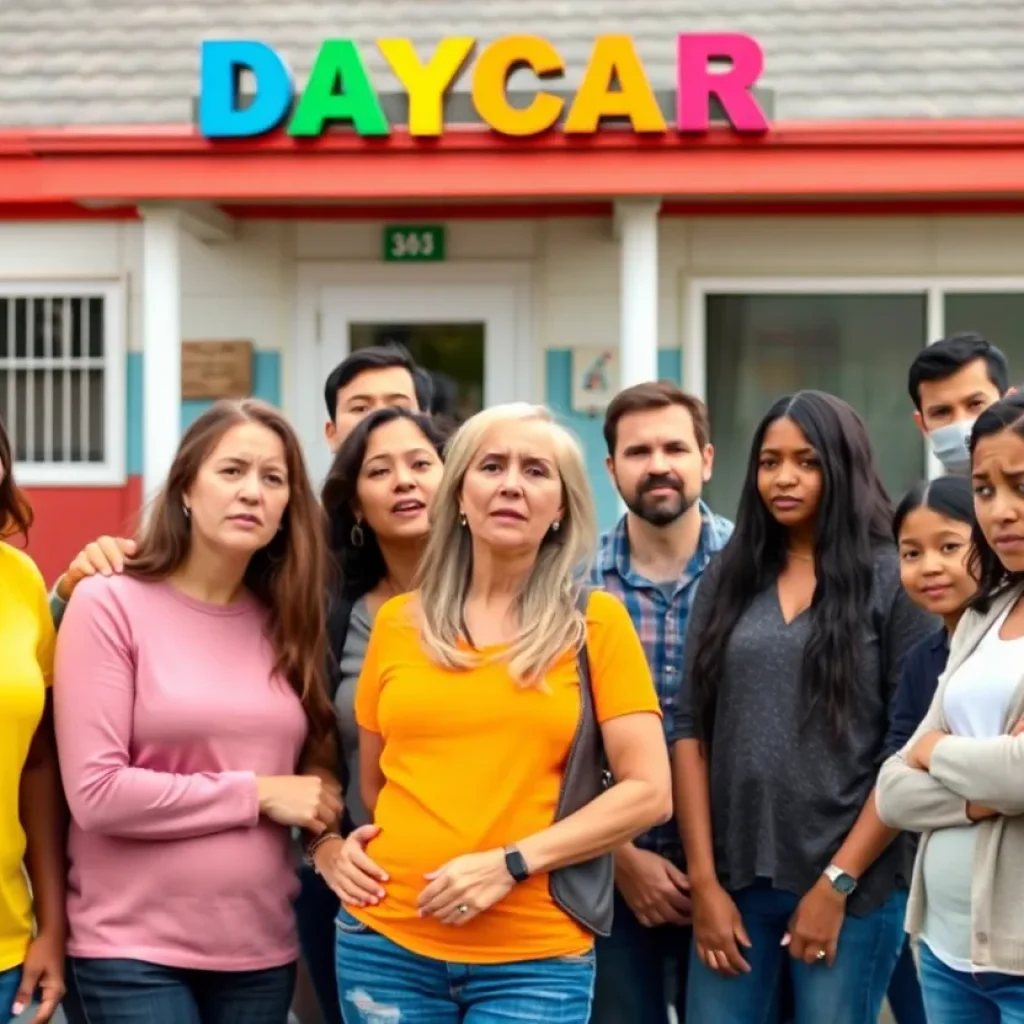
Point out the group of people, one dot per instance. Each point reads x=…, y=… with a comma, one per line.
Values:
x=478, y=764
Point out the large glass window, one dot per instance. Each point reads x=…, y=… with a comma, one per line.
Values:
x=858, y=346
x=999, y=316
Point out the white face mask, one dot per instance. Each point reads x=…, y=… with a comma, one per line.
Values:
x=952, y=446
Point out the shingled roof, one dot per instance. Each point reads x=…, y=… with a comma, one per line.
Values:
x=66, y=62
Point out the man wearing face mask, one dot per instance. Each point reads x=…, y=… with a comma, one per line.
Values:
x=951, y=384
x=659, y=458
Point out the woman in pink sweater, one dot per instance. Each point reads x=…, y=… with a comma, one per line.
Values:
x=192, y=724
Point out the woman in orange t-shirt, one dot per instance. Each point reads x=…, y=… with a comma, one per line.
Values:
x=468, y=706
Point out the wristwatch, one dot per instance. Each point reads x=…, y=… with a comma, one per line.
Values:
x=843, y=883
x=516, y=864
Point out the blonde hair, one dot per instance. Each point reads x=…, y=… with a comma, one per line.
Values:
x=549, y=620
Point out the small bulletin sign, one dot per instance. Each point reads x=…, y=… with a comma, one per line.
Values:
x=216, y=369
x=414, y=243
x=595, y=379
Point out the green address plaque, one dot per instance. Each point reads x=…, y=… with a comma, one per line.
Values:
x=414, y=243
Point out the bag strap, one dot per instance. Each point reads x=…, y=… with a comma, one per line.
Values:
x=587, y=685
x=582, y=657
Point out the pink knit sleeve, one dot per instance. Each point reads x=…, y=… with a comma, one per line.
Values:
x=94, y=697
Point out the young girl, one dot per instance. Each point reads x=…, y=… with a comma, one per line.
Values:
x=794, y=648
x=932, y=528
x=957, y=779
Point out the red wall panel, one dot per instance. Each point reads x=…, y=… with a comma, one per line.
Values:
x=67, y=518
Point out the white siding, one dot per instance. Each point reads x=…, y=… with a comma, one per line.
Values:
x=246, y=288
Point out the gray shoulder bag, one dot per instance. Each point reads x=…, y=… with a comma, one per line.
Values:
x=585, y=891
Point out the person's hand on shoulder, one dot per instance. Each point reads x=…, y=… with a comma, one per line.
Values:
x=105, y=556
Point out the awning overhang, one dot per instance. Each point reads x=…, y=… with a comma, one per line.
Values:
x=108, y=170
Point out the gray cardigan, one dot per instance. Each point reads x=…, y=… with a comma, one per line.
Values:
x=986, y=771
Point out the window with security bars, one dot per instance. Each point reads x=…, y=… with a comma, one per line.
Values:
x=58, y=351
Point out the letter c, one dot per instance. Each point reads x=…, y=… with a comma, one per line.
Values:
x=490, y=81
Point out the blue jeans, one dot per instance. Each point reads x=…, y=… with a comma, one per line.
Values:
x=905, y=999
x=315, y=911
x=379, y=982
x=851, y=991
x=9, y=982
x=136, y=992
x=960, y=997
x=640, y=971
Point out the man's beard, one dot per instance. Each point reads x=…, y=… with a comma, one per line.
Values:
x=662, y=511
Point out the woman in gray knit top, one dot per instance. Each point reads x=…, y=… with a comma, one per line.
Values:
x=960, y=778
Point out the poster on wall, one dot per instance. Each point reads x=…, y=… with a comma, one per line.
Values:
x=595, y=379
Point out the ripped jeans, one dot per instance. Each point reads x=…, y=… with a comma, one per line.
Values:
x=379, y=982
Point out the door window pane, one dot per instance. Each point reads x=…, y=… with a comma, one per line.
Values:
x=453, y=353
x=998, y=316
x=859, y=347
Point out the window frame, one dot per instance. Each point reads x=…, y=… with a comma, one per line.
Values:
x=113, y=470
x=932, y=289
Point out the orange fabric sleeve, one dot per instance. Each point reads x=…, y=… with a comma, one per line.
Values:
x=371, y=676
x=618, y=667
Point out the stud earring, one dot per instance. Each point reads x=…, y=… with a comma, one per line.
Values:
x=186, y=510
x=556, y=525
x=462, y=519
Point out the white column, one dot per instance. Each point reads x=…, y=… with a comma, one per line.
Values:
x=637, y=228
x=161, y=344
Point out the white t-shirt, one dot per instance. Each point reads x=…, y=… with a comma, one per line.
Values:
x=975, y=703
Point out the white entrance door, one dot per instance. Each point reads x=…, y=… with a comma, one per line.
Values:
x=472, y=332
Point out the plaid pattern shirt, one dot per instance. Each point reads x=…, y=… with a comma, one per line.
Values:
x=660, y=621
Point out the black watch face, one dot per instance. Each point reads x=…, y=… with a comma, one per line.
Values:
x=516, y=865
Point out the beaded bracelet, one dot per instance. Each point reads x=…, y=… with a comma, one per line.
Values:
x=316, y=844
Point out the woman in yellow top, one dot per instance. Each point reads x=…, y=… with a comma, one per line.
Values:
x=31, y=804
x=468, y=705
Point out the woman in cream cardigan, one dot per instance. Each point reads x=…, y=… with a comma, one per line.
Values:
x=960, y=779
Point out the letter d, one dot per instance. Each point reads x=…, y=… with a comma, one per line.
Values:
x=220, y=64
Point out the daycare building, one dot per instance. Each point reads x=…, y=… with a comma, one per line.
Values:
x=542, y=200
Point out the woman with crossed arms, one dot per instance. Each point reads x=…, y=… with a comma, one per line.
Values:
x=959, y=780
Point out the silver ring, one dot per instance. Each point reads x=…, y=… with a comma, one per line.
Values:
x=821, y=954
x=463, y=909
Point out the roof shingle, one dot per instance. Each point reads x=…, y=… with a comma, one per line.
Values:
x=136, y=62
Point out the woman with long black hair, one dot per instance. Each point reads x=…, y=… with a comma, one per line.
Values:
x=794, y=648
x=376, y=499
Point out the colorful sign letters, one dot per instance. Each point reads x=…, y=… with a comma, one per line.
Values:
x=340, y=89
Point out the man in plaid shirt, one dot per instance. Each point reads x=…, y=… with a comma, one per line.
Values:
x=659, y=457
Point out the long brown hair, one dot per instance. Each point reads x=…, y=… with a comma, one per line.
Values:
x=15, y=511
x=286, y=576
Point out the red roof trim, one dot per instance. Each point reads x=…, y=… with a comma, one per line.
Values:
x=934, y=160
x=185, y=139
x=413, y=212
